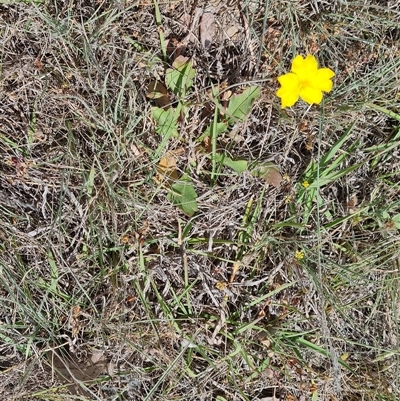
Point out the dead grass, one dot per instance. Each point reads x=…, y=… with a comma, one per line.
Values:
x=109, y=291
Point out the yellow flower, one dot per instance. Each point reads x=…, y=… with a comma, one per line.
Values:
x=299, y=255
x=306, y=81
x=305, y=184
x=288, y=199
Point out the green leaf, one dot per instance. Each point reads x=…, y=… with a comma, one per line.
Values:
x=325, y=180
x=302, y=341
x=53, y=271
x=184, y=196
x=389, y=113
x=166, y=122
x=180, y=77
x=219, y=129
x=239, y=166
x=240, y=105
x=90, y=182
x=396, y=221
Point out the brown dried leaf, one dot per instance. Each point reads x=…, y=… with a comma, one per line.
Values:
x=175, y=48
x=180, y=61
x=273, y=177
x=158, y=92
x=74, y=323
x=236, y=267
x=185, y=20
x=232, y=31
x=166, y=169
x=135, y=150
x=71, y=372
x=206, y=29
x=38, y=64
x=269, y=172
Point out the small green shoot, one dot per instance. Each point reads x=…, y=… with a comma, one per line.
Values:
x=295, y=339
x=238, y=110
x=219, y=129
x=160, y=30
x=179, y=80
x=324, y=172
x=238, y=166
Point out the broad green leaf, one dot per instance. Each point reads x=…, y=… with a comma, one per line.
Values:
x=184, y=196
x=180, y=77
x=166, y=122
x=240, y=105
x=53, y=271
x=239, y=166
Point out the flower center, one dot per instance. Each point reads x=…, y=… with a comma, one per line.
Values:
x=304, y=84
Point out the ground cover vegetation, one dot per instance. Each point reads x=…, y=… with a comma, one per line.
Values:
x=168, y=231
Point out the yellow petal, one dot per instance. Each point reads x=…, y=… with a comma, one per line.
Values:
x=288, y=97
x=289, y=81
x=289, y=90
x=322, y=79
x=325, y=73
x=311, y=95
x=310, y=63
x=305, y=68
x=297, y=64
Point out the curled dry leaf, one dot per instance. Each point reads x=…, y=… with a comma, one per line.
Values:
x=221, y=323
x=206, y=29
x=269, y=172
x=167, y=168
x=235, y=268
